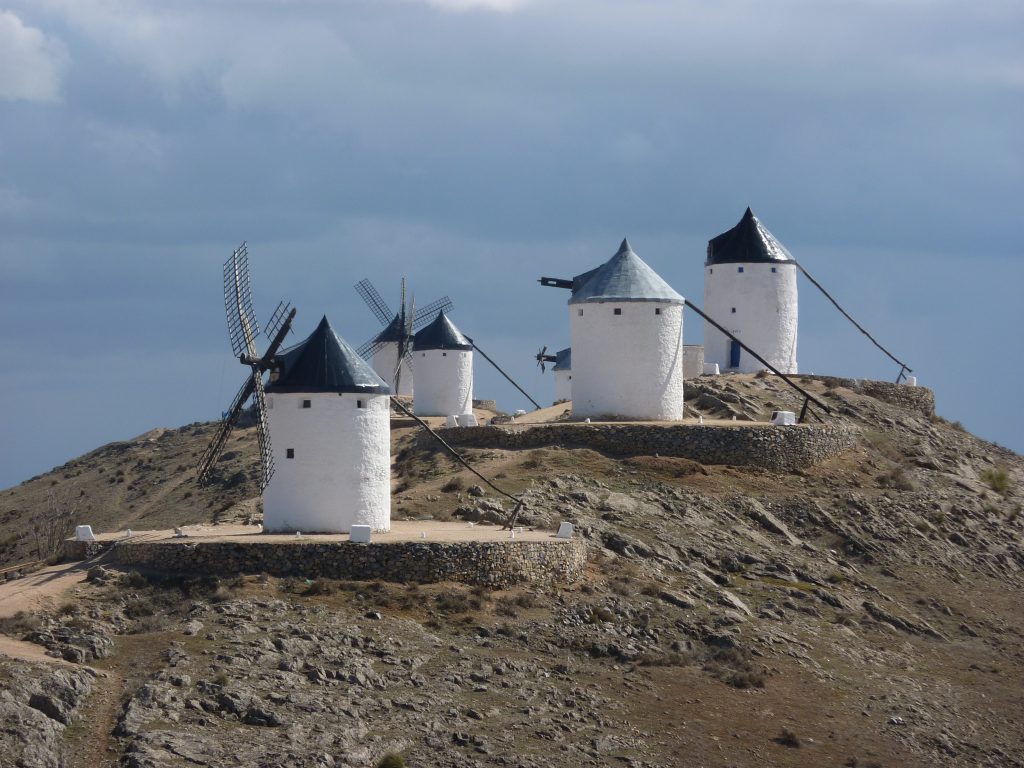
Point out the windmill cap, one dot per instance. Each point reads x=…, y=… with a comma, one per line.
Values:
x=624, y=277
x=325, y=362
x=441, y=333
x=748, y=242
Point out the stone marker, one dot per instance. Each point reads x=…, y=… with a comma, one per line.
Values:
x=564, y=531
x=84, y=533
x=360, y=534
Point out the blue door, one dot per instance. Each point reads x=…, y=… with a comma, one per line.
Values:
x=734, y=353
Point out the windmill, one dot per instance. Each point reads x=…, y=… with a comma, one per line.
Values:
x=242, y=332
x=390, y=350
x=563, y=370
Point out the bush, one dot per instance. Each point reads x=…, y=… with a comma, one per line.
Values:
x=787, y=738
x=453, y=485
x=391, y=760
x=996, y=478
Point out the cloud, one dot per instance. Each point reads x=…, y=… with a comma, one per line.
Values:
x=32, y=64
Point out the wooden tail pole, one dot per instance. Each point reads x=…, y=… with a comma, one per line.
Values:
x=458, y=456
x=903, y=366
x=498, y=367
x=807, y=395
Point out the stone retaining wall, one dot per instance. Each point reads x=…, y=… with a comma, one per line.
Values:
x=84, y=550
x=919, y=399
x=494, y=564
x=767, y=446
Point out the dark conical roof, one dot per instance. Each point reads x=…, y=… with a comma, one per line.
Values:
x=393, y=331
x=624, y=277
x=325, y=362
x=563, y=360
x=747, y=242
x=441, y=334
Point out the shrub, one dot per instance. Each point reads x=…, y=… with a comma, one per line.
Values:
x=455, y=484
x=320, y=587
x=996, y=478
x=221, y=678
x=391, y=760
x=787, y=738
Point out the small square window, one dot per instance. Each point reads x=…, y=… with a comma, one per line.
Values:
x=307, y=403
x=734, y=310
x=579, y=312
x=360, y=404
x=739, y=269
x=444, y=354
x=657, y=310
x=290, y=453
x=711, y=271
x=773, y=269
x=618, y=310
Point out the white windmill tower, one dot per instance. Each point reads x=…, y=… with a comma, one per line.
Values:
x=750, y=288
x=626, y=327
x=443, y=366
x=389, y=351
x=329, y=415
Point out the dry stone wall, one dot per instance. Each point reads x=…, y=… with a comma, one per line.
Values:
x=770, y=447
x=494, y=564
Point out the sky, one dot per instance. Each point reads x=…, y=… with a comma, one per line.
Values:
x=474, y=146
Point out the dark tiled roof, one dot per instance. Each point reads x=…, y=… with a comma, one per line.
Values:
x=325, y=362
x=747, y=242
x=441, y=333
x=624, y=277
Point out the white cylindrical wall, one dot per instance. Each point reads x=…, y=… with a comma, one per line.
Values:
x=340, y=473
x=628, y=365
x=563, y=385
x=444, y=381
x=759, y=306
x=385, y=363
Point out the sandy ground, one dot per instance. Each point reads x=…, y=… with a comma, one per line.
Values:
x=401, y=531
x=37, y=591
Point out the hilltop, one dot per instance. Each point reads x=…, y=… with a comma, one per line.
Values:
x=863, y=611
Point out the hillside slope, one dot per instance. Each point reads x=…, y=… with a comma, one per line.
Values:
x=862, y=612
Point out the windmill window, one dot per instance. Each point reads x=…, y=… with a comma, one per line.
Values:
x=444, y=354
x=579, y=312
x=360, y=403
x=307, y=403
x=657, y=310
x=739, y=269
x=734, y=310
x=711, y=271
x=290, y=453
x=617, y=310
x=773, y=269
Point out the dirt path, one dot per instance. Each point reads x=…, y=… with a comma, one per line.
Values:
x=35, y=592
x=40, y=588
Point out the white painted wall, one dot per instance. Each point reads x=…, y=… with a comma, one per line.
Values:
x=444, y=381
x=341, y=473
x=693, y=361
x=628, y=365
x=385, y=362
x=563, y=385
x=765, y=318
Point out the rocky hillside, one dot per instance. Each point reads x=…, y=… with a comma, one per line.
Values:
x=864, y=612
